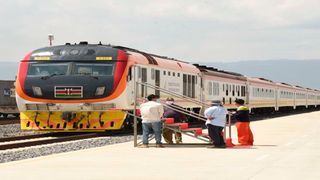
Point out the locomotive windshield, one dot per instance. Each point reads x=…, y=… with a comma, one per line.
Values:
x=79, y=69
x=46, y=69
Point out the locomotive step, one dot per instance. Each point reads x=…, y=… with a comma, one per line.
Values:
x=196, y=131
x=179, y=125
x=169, y=121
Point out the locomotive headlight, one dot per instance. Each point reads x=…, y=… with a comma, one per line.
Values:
x=37, y=91
x=100, y=90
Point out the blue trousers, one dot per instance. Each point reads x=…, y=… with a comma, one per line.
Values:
x=146, y=128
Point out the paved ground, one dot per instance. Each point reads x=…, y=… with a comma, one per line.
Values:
x=285, y=148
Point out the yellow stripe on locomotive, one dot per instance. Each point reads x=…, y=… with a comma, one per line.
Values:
x=81, y=121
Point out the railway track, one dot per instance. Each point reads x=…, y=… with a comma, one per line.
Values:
x=42, y=139
x=9, y=121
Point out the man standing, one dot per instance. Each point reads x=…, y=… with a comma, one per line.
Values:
x=245, y=136
x=216, y=119
x=170, y=111
x=151, y=114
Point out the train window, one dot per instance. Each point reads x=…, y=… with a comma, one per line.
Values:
x=94, y=69
x=215, y=89
x=143, y=79
x=129, y=74
x=139, y=72
x=157, y=82
x=185, y=84
x=192, y=84
x=46, y=69
x=164, y=73
x=210, y=88
x=152, y=74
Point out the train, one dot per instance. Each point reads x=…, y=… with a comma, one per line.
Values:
x=94, y=87
x=8, y=105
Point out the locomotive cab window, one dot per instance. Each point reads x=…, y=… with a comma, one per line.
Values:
x=47, y=69
x=93, y=69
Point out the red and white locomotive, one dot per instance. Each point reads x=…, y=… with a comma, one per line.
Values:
x=86, y=87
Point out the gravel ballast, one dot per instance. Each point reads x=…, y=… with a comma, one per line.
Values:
x=13, y=130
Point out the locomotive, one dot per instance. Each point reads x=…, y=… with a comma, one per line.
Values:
x=91, y=87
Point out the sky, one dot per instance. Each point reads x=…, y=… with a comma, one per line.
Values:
x=189, y=30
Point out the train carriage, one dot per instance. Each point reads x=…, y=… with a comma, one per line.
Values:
x=300, y=97
x=222, y=85
x=8, y=104
x=262, y=94
x=312, y=98
x=285, y=96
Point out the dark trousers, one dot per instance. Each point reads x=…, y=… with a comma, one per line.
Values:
x=215, y=133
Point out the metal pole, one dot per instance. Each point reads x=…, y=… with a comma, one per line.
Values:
x=224, y=132
x=229, y=123
x=51, y=38
x=135, y=124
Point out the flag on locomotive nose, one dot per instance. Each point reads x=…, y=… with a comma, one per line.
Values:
x=68, y=92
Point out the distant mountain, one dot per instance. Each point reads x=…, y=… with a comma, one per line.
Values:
x=305, y=73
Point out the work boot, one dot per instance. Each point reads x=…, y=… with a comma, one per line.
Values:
x=144, y=146
x=159, y=146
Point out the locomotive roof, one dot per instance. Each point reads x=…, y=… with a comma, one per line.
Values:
x=80, y=52
x=205, y=68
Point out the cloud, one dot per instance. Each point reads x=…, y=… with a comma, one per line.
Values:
x=185, y=29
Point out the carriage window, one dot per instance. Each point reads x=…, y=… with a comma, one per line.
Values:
x=152, y=74
x=143, y=80
x=210, y=88
x=189, y=85
x=184, y=84
x=129, y=74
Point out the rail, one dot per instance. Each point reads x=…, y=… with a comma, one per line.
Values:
x=34, y=140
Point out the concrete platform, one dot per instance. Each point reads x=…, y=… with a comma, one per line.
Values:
x=285, y=148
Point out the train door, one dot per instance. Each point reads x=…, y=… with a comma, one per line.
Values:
x=144, y=79
x=277, y=98
x=189, y=82
x=157, y=82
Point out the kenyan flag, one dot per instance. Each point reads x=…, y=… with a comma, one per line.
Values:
x=68, y=91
